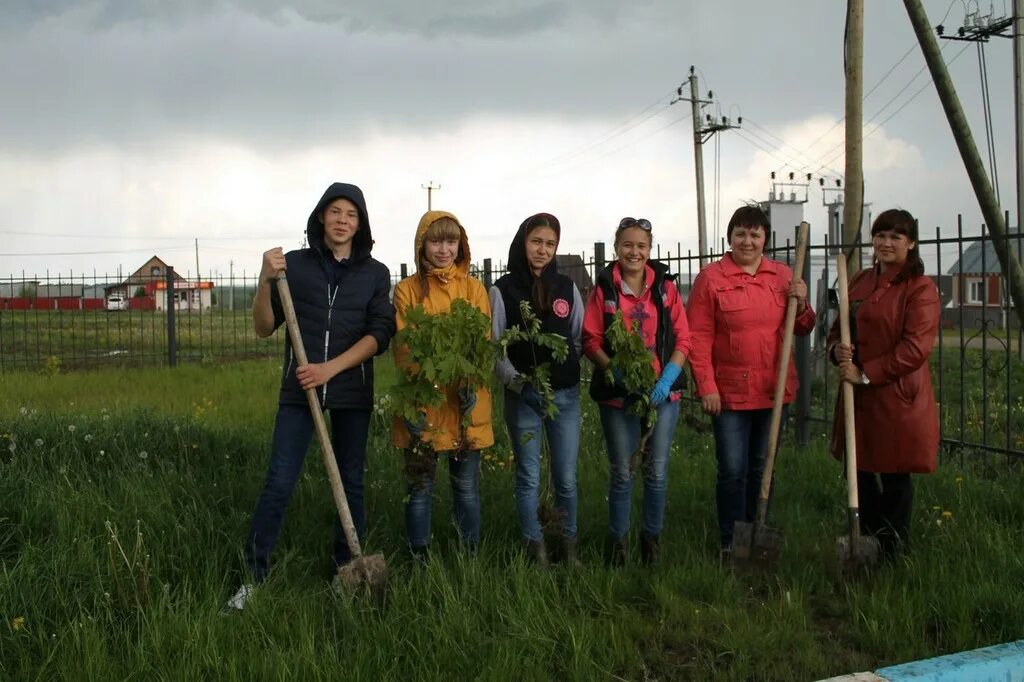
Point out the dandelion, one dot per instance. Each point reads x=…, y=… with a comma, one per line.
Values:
x=88, y=438
x=71, y=428
x=19, y=622
x=102, y=453
x=936, y=508
x=23, y=411
x=39, y=442
x=959, y=480
x=947, y=514
x=12, y=446
x=938, y=522
x=106, y=417
x=143, y=455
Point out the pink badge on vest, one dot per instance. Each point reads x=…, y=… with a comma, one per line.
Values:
x=560, y=307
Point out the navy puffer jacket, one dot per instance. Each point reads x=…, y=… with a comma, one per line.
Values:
x=336, y=303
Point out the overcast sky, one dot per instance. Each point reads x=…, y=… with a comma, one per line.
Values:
x=133, y=127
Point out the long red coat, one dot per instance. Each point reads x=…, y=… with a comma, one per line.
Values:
x=896, y=414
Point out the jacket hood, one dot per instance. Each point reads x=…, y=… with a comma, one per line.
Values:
x=362, y=242
x=518, y=266
x=461, y=264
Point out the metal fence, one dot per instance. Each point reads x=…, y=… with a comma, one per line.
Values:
x=67, y=322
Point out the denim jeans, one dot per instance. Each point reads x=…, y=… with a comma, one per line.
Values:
x=563, y=432
x=741, y=446
x=622, y=434
x=464, y=476
x=293, y=430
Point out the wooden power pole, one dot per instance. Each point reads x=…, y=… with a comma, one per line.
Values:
x=1012, y=273
x=853, y=206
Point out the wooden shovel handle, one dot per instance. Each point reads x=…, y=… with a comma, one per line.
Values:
x=848, y=407
x=340, y=501
x=780, y=381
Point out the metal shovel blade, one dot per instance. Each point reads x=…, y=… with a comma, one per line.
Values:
x=856, y=553
x=364, y=573
x=755, y=543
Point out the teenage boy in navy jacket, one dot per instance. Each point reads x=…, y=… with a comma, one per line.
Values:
x=342, y=303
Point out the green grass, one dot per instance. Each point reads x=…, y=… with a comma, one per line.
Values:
x=173, y=460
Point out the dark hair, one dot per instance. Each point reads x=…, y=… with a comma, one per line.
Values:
x=749, y=215
x=540, y=290
x=901, y=222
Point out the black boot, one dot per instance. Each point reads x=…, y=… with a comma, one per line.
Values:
x=420, y=555
x=570, y=553
x=617, y=551
x=537, y=553
x=649, y=549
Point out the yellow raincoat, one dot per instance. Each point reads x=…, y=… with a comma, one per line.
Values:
x=442, y=430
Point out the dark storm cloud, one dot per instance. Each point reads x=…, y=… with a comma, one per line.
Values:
x=271, y=74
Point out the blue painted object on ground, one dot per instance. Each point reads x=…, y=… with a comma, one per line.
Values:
x=1000, y=663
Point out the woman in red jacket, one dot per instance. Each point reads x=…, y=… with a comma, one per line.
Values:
x=736, y=312
x=895, y=316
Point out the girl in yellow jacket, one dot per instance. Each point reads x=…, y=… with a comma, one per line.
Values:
x=442, y=275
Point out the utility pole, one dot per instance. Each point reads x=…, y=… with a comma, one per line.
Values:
x=701, y=134
x=430, y=187
x=1018, y=101
x=854, y=204
x=1012, y=273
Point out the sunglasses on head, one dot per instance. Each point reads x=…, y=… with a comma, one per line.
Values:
x=643, y=223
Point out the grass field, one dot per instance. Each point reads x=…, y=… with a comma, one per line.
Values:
x=124, y=496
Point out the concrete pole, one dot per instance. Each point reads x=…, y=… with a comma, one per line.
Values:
x=1012, y=273
x=698, y=162
x=853, y=207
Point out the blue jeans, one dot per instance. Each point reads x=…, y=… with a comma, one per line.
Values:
x=563, y=432
x=293, y=430
x=464, y=475
x=741, y=446
x=622, y=434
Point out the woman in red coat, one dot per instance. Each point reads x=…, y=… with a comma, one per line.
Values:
x=894, y=310
x=736, y=312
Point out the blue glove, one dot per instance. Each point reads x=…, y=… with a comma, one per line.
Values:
x=467, y=399
x=661, y=390
x=533, y=399
x=416, y=428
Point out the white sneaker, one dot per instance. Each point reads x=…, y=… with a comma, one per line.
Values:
x=237, y=603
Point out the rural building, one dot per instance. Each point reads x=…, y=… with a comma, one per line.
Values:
x=979, y=292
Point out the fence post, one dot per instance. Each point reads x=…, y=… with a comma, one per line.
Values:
x=598, y=258
x=172, y=348
x=404, y=270
x=488, y=273
x=803, y=368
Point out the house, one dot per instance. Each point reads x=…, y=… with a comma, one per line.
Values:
x=979, y=292
x=147, y=288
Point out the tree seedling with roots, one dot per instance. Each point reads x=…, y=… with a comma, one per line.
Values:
x=539, y=377
x=446, y=351
x=631, y=368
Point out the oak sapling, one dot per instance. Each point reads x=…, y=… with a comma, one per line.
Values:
x=631, y=368
x=539, y=373
x=448, y=351
x=539, y=377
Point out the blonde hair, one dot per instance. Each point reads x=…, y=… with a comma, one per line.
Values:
x=442, y=229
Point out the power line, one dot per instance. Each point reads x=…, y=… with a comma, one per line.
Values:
x=97, y=253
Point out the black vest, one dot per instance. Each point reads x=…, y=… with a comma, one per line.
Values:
x=525, y=356
x=665, y=336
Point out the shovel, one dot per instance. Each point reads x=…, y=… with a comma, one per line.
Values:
x=853, y=552
x=755, y=542
x=362, y=571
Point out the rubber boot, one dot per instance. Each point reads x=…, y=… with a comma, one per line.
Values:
x=649, y=549
x=420, y=555
x=538, y=553
x=570, y=553
x=617, y=551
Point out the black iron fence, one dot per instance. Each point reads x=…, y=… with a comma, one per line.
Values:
x=67, y=322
